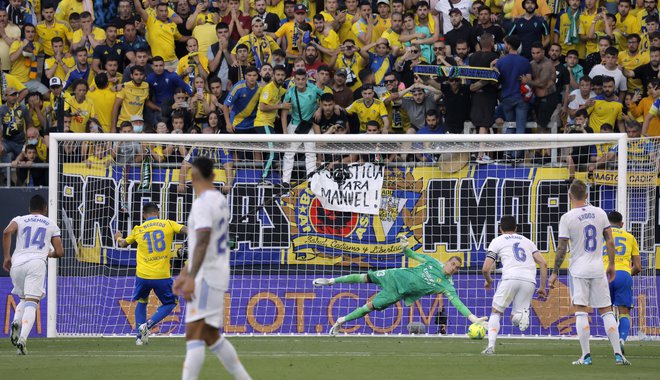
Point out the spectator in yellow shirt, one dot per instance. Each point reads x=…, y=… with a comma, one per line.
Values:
x=59, y=64
x=88, y=36
x=23, y=55
x=194, y=64
x=50, y=28
x=80, y=108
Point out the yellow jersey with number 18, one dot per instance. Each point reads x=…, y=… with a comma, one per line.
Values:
x=154, y=239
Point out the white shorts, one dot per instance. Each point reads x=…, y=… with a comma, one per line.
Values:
x=592, y=292
x=207, y=304
x=29, y=279
x=517, y=291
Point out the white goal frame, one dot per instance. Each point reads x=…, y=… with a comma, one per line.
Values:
x=503, y=142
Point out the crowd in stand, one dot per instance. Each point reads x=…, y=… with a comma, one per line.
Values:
x=305, y=66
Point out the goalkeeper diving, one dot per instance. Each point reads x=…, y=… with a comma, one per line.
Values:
x=154, y=251
x=409, y=284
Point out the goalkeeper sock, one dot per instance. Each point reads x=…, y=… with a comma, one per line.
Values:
x=612, y=330
x=351, y=279
x=160, y=314
x=226, y=352
x=624, y=326
x=583, y=331
x=140, y=315
x=29, y=315
x=357, y=313
x=18, y=313
x=192, y=365
x=493, y=329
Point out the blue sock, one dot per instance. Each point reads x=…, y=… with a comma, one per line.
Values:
x=162, y=312
x=140, y=315
x=624, y=326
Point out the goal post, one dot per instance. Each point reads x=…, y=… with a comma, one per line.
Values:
x=363, y=194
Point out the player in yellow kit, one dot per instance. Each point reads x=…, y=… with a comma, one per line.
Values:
x=627, y=263
x=154, y=240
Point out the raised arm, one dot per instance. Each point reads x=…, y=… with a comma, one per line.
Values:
x=140, y=11
x=410, y=253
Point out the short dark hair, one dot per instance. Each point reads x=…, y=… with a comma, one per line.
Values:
x=204, y=166
x=221, y=25
x=512, y=41
x=251, y=69
x=137, y=68
x=612, y=51
x=573, y=52
x=432, y=112
x=74, y=16
x=635, y=36
x=241, y=46
x=586, y=78
x=537, y=45
x=582, y=113
x=157, y=58
x=85, y=14
x=508, y=223
x=300, y=72
x=101, y=80
x=607, y=126
x=150, y=208
x=38, y=203
x=56, y=39
x=277, y=68
x=327, y=97
x=615, y=217
x=607, y=79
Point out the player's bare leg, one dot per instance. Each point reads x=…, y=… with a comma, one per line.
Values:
x=493, y=330
x=612, y=330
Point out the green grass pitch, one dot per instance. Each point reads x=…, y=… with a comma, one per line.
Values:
x=329, y=358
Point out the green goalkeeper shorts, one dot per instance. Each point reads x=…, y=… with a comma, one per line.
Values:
x=389, y=295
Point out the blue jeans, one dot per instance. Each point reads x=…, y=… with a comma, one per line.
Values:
x=515, y=109
x=12, y=150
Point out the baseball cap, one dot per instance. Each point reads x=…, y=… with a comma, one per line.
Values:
x=341, y=72
x=383, y=2
x=136, y=118
x=300, y=8
x=55, y=81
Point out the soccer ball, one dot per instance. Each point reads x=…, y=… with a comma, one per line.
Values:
x=476, y=331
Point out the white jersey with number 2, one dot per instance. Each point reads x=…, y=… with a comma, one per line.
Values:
x=33, y=238
x=210, y=211
x=584, y=227
x=516, y=254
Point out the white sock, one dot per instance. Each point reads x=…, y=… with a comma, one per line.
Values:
x=493, y=329
x=583, y=331
x=612, y=329
x=515, y=319
x=18, y=313
x=195, y=352
x=29, y=315
x=226, y=352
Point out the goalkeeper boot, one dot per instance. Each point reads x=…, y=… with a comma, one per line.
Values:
x=323, y=281
x=586, y=360
x=144, y=333
x=21, y=347
x=524, y=320
x=620, y=360
x=138, y=342
x=489, y=351
x=15, y=332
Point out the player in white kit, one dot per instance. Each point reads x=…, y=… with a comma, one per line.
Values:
x=519, y=257
x=587, y=227
x=205, y=278
x=27, y=266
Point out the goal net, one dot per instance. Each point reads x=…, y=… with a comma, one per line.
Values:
x=350, y=200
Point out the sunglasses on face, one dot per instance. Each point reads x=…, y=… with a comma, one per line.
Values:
x=438, y=48
x=12, y=94
x=414, y=51
x=388, y=81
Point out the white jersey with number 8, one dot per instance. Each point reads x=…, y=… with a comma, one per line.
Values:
x=516, y=254
x=210, y=211
x=584, y=227
x=33, y=238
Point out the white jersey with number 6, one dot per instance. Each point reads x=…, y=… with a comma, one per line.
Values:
x=210, y=211
x=33, y=238
x=584, y=227
x=516, y=254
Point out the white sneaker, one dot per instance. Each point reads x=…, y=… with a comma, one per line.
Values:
x=524, y=320
x=21, y=347
x=144, y=333
x=323, y=282
x=15, y=332
x=489, y=351
x=334, y=330
x=138, y=342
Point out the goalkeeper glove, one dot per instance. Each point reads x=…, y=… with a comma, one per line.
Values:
x=474, y=319
x=404, y=242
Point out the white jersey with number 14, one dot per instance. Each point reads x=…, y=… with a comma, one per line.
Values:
x=584, y=227
x=210, y=211
x=33, y=238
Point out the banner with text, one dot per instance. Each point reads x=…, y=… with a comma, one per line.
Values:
x=352, y=188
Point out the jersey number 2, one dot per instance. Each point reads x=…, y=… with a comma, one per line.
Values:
x=38, y=239
x=519, y=253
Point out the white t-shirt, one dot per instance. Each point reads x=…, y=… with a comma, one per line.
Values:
x=444, y=6
x=516, y=254
x=577, y=101
x=210, y=211
x=33, y=238
x=584, y=227
x=619, y=79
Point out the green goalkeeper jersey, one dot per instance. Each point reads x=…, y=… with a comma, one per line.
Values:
x=424, y=279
